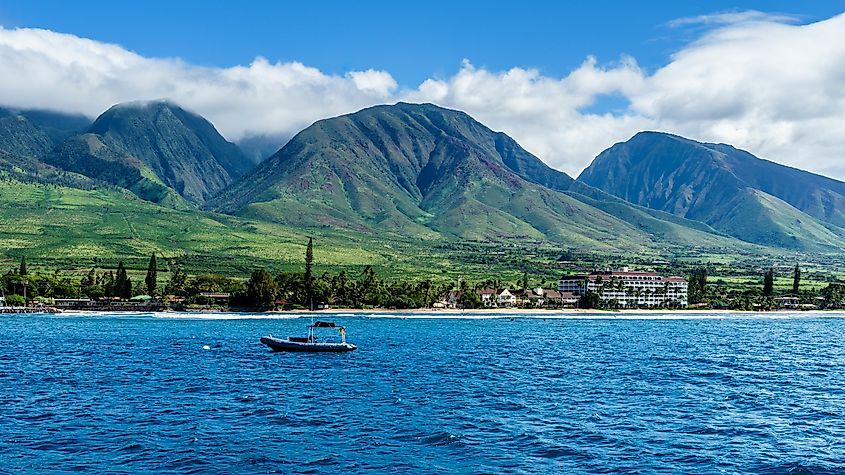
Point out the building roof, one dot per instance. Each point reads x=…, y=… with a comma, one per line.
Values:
x=221, y=295
x=622, y=274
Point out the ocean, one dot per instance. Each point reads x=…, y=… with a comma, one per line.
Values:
x=170, y=393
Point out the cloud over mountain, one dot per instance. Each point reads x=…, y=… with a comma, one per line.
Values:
x=757, y=81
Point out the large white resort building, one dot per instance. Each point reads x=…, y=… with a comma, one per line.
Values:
x=629, y=289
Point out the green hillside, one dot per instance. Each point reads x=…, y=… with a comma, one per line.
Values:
x=75, y=229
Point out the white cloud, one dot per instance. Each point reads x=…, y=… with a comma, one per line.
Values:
x=733, y=18
x=44, y=69
x=756, y=81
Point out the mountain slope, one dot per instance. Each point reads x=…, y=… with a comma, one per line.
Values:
x=752, y=199
x=428, y=172
x=146, y=146
x=31, y=133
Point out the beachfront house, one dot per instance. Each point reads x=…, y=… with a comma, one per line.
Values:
x=558, y=299
x=790, y=302
x=494, y=298
x=452, y=299
x=2, y=301
x=488, y=297
x=73, y=303
x=216, y=298
x=564, y=299
x=504, y=298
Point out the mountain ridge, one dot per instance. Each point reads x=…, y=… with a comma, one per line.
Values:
x=725, y=187
x=429, y=171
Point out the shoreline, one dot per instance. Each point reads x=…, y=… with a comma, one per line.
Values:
x=499, y=313
x=547, y=311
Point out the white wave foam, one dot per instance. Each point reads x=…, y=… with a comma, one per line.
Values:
x=458, y=315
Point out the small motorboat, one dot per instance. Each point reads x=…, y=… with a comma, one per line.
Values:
x=311, y=343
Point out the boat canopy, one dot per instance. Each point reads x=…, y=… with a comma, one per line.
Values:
x=323, y=325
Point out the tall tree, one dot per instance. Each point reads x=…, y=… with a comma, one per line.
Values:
x=309, y=260
x=308, y=277
x=90, y=286
x=261, y=288
x=108, y=285
x=177, y=282
x=90, y=279
x=152, y=276
x=796, y=279
x=769, y=283
x=122, y=283
x=22, y=268
x=340, y=288
x=697, y=289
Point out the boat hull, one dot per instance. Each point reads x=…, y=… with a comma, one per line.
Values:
x=278, y=344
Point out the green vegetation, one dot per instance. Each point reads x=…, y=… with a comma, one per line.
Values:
x=294, y=289
x=769, y=283
x=122, y=284
x=261, y=289
x=151, y=280
x=697, y=285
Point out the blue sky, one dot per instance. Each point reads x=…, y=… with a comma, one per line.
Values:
x=565, y=79
x=412, y=40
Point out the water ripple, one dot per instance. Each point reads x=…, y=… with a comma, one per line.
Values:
x=140, y=394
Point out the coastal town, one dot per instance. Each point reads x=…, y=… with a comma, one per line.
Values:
x=607, y=288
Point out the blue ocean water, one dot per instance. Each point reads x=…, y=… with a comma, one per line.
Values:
x=523, y=395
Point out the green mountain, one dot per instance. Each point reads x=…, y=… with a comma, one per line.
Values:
x=158, y=150
x=418, y=170
x=733, y=191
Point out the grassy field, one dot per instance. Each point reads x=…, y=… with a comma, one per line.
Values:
x=74, y=230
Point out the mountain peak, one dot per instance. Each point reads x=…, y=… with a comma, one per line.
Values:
x=174, y=148
x=407, y=164
x=725, y=187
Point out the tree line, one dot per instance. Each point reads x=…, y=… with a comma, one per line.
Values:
x=306, y=289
